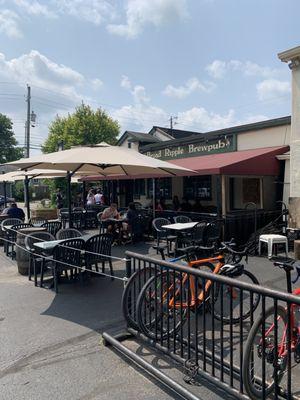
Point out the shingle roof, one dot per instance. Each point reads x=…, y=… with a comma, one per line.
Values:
x=138, y=136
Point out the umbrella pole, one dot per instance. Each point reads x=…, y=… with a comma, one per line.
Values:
x=27, y=197
x=153, y=190
x=5, y=195
x=69, y=175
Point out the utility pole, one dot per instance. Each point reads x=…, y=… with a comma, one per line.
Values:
x=172, y=122
x=27, y=125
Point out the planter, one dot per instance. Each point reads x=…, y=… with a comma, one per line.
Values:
x=45, y=213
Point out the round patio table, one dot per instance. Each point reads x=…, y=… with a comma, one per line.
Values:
x=22, y=256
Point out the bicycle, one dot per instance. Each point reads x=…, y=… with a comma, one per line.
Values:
x=171, y=295
x=272, y=339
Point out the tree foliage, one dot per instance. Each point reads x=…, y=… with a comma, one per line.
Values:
x=8, y=149
x=85, y=126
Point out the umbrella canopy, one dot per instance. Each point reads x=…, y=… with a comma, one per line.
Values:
x=101, y=160
x=8, y=177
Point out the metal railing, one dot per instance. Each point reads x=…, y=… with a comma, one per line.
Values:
x=207, y=323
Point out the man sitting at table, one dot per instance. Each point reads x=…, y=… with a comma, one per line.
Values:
x=109, y=213
x=15, y=212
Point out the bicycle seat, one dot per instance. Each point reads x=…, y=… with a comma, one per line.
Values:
x=286, y=263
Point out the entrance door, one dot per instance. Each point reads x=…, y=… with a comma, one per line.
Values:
x=126, y=192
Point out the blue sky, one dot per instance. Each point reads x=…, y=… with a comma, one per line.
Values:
x=211, y=63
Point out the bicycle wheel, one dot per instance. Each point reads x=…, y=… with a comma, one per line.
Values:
x=164, y=300
x=253, y=355
x=241, y=302
x=131, y=293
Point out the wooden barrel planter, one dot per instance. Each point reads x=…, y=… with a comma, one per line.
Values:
x=22, y=256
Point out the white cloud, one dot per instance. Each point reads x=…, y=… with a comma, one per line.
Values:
x=192, y=85
x=125, y=82
x=272, y=88
x=34, y=7
x=95, y=11
x=9, y=24
x=140, y=13
x=202, y=120
x=96, y=83
x=218, y=68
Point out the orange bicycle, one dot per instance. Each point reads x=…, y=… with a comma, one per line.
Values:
x=170, y=295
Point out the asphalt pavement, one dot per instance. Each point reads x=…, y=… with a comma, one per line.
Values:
x=51, y=345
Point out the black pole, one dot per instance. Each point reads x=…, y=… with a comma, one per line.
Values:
x=69, y=176
x=27, y=196
x=5, y=195
x=84, y=192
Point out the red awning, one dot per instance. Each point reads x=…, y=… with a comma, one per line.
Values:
x=261, y=161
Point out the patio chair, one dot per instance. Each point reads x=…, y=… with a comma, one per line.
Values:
x=34, y=253
x=52, y=227
x=37, y=221
x=78, y=218
x=213, y=233
x=162, y=234
x=8, y=222
x=102, y=226
x=68, y=233
x=181, y=219
x=98, y=250
x=63, y=216
x=91, y=219
x=66, y=257
x=137, y=229
x=12, y=237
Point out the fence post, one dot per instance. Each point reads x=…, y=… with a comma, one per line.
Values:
x=128, y=266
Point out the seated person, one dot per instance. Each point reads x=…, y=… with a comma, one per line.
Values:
x=176, y=203
x=161, y=206
x=15, y=212
x=130, y=217
x=108, y=213
x=197, y=207
x=186, y=205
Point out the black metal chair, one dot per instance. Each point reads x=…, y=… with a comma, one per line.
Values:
x=214, y=232
x=90, y=219
x=52, y=227
x=162, y=233
x=37, y=221
x=102, y=226
x=36, y=256
x=5, y=233
x=63, y=216
x=12, y=237
x=98, y=250
x=68, y=233
x=181, y=219
x=137, y=228
x=67, y=256
x=78, y=217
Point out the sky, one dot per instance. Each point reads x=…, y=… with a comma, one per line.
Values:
x=210, y=64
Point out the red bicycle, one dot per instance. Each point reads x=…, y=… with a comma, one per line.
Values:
x=272, y=339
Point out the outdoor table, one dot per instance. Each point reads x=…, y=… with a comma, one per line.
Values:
x=119, y=223
x=179, y=228
x=48, y=247
x=22, y=256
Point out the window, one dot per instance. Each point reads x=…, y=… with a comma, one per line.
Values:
x=129, y=145
x=163, y=188
x=251, y=190
x=197, y=187
x=139, y=188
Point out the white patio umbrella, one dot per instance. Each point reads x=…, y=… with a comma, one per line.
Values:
x=103, y=160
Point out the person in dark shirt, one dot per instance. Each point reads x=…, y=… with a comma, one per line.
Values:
x=15, y=212
x=186, y=205
x=176, y=203
x=131, y=215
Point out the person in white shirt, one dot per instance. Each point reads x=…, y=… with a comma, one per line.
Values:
x=90, y=198
x=98, y=197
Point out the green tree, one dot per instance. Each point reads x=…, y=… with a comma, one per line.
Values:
x=8, y=149
x=85, y=126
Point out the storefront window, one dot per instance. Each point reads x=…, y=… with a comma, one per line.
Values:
x=139, y=188
x=251, y=190
x=163, y=188
x=197, y=187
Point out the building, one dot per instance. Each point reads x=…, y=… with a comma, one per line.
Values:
x=234, y=166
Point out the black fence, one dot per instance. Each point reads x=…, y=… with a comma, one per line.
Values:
x=222, y=328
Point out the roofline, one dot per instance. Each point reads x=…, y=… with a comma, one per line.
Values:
x=221, y=132
x=123, y=136
x=289, y=55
